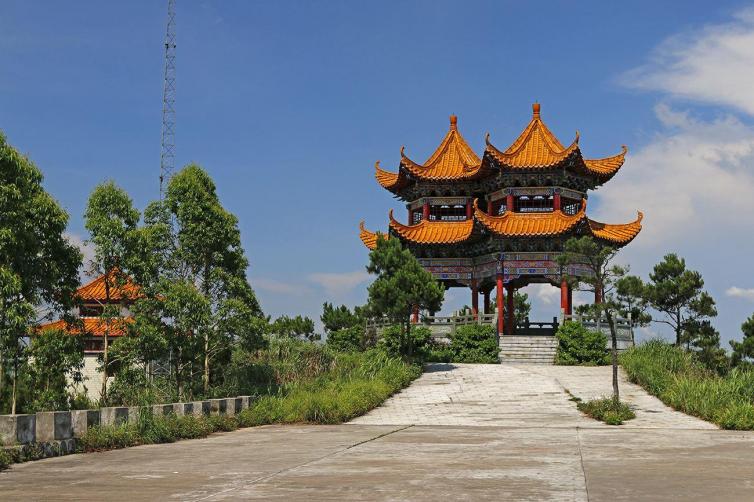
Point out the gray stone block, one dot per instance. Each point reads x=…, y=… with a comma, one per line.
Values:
x=200, y=408
x=17, y=429
x=162, y=409
x=54, y=426
x=81, y=420
x=133, y=413
x=179, y=409
x=245, y=402
x=218, y=406
x=114, y=415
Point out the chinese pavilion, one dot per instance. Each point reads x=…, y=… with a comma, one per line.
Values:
x=499, y=222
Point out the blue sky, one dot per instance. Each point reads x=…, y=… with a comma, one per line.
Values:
x=288, y=105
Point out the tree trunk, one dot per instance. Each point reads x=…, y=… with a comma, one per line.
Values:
x=614, y=353
x=15, y=380
x=105, y=340
x=206, y=363
x=678, y=329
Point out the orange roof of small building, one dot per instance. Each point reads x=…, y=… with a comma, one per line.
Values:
x=538, y=148
x=617, y=234
x=95, y=290
x=433, y=232
x=512, y=224
x=93, y=326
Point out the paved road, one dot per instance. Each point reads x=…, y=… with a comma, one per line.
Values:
x=558, y=456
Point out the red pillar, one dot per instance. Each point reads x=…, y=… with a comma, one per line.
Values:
x=415, y=314
x=556, y=202
x=500, y=298
x=564, y=296
x=510, y=314
x=425, y=210
x=509, y=202
x=489, y=207
x=469, y=209
x=486, y=299
x=474, y=299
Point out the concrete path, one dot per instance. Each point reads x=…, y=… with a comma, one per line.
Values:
x=478, y=433
x=530, y=395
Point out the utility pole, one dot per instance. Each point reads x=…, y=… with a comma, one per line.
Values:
x=167, y=153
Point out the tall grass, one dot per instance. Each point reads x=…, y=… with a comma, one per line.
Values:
x=674, y=376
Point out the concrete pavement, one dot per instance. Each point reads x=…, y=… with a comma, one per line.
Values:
x=526, y=442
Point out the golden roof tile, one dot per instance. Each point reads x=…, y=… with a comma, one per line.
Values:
x=433, y=232
x=607, y=167
x=617, y=233
x=95, y=290
x=511, y=224
x=369, y=238
x=93, y=326
x=536, y=146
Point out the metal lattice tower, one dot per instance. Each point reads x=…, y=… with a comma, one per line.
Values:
x=167, y=154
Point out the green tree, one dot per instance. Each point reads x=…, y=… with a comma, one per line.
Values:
x=293, y=327
x=631, y=296
x=401, y=285
x=207, y=252
x=111, y=221
x=38, y=265
x=704, y=340
x=337, y=318
x=521, y=306
x=743, y=351
x=475, y=343
x=678, y=293
x=604, y=275
x=55, y=364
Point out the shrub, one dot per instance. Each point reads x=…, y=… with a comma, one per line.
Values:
x=5, y=459
x=439, y=353
x=607, y=410
x=580, y=346
x=475, y=343
x=396, y=343
x=682, y=382
x=346, y=339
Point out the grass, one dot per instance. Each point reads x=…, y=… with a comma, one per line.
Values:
x=606, y=410
x=676, y=378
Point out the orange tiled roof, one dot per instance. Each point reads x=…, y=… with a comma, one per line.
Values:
x=388, y=180
x=512, y=224
x=617, y=234
x=607, y=167
x=536, y=147
x=433, y=232
x=95, y=290
x=93, y=326
x=369, y=238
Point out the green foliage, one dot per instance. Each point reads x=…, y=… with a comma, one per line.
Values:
x=55, y=357
x=521, y=306
x=358, y=383
x=743, y=351
x=396, y=342
x=631, y=297
x=439, y=353
x=681, y=381
x=474, y=343
x=5, y=459
x=293, y=327
x=337, y=318
x=38, y=264
x=347, y=339
x=401, y=284
x=580, y=346
x=607, y=410
x=704, y=341
x=678, y=293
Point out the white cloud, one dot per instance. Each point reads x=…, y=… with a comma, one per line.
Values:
x=338, y=284
x=86, y=249
x=693, y=180
x=736, y=292
x=279, y=287
x=713, y=64
x=545, y=293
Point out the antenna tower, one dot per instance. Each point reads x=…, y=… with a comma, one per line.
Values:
x=167, y=153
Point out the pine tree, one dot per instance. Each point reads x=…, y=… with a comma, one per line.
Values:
x=743, y=351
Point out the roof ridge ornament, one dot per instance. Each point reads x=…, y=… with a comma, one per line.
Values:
x=453, y=123
x=535, y=108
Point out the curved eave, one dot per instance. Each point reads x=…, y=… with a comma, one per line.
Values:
x=606, y=168
x=393, y=182
x=620, y=234
x=539, y=158
x=433, y=232
x=530, y=224
x=460, y=172
x=369, y=238
x=93, y=326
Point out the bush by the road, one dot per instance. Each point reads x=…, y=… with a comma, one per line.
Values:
x=474, y=343
x=580, y=346
x=607, y=410
x=680, y=381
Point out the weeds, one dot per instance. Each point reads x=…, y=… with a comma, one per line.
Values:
x=606, y=410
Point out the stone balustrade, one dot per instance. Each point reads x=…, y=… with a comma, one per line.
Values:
x=61, y=426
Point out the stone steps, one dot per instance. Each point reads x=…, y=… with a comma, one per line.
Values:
x=528, y=349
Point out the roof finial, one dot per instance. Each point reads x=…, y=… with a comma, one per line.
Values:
x=535, y=108
x=453, y=123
